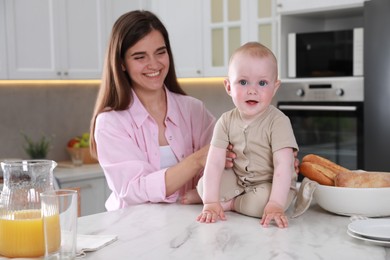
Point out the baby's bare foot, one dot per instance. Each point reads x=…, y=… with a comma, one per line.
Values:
x=191, y=197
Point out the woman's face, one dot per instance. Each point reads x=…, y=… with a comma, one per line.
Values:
x=147, y=62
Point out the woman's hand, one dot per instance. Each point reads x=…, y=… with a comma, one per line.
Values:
x=296, y=161
x=201, y=156
x=230, y=156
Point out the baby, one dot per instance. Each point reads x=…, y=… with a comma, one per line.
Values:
x=262, y=181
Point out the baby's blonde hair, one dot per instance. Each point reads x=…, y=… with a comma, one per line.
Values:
x=256, y=49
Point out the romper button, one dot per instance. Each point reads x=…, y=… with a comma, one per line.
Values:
x=237, y=192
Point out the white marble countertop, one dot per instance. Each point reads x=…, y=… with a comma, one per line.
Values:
x=170, y=231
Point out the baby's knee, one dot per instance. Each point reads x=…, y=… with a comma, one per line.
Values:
x=252, y=203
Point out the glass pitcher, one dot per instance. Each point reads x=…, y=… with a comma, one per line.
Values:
x=21, y=231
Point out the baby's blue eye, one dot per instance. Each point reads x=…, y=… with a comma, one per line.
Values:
x=263, y=83
x=243, y=82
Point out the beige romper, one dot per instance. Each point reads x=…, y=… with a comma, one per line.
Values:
x=250, y=179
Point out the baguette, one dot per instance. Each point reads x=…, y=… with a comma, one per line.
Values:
x=320, y=169
x=335, y=168
x=362, y=179
x=318, y=173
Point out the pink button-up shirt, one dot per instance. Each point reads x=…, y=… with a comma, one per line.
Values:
x=128, y=148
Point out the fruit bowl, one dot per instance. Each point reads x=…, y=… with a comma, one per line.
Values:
x=78, y=147
x=367, y=202
x=86, y=155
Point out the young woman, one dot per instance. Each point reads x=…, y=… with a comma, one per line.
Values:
x=150, y=138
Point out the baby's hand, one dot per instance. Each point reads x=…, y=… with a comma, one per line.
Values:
x=273, y=211
x=211, y=212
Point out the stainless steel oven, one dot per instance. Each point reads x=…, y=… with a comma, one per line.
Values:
x=327, y=117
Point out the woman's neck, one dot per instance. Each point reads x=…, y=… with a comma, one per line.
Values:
x=155, y=102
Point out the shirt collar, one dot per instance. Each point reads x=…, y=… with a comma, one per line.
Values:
x=172, y=107
x=140, y=114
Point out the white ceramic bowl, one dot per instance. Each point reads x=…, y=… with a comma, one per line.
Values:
x=367, y=202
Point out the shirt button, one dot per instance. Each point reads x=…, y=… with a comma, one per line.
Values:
x=170, y=138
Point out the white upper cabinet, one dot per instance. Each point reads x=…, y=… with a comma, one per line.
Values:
x=230, y=23
x=3, y=49
x=303, y=6
x=115, y=8
x=183, y=20
x=55, y=39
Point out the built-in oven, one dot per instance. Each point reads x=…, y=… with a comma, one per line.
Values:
x=327, y=118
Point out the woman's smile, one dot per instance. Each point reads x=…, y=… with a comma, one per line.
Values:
x=153, y=74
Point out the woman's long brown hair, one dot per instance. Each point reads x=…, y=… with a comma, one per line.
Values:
x=115, y=87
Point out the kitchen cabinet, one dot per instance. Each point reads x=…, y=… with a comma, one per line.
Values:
x=183, y=20
x=3, y=51
x=55, y=39
x=114, y=9
x=91, y=181
x=185, y=31
x=326, y=16
x=66, y=39
x=303, y=6
x=92, y=192
x=229, y=24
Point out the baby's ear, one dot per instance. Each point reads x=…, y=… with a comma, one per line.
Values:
x=277, y=85
x=226, y=83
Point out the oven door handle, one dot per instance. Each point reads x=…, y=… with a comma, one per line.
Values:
x=317, y=108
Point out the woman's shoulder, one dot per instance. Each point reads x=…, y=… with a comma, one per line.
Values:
x=186, y=101
x=109, y=116
x=186, y=98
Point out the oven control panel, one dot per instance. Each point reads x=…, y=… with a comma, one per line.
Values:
x=342, y=89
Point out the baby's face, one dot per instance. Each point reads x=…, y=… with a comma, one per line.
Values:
x=252, y=84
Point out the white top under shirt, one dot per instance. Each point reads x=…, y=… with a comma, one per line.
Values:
x=167, y=157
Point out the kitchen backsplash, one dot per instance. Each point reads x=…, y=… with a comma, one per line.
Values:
x=63, y=109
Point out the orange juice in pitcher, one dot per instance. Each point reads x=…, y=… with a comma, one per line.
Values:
x=21, y=224
x=22, y=236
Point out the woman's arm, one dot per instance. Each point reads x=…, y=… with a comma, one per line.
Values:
x=129, y=153
x=179, y=174
x=130, y=175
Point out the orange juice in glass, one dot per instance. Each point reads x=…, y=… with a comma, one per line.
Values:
x=21, y=234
